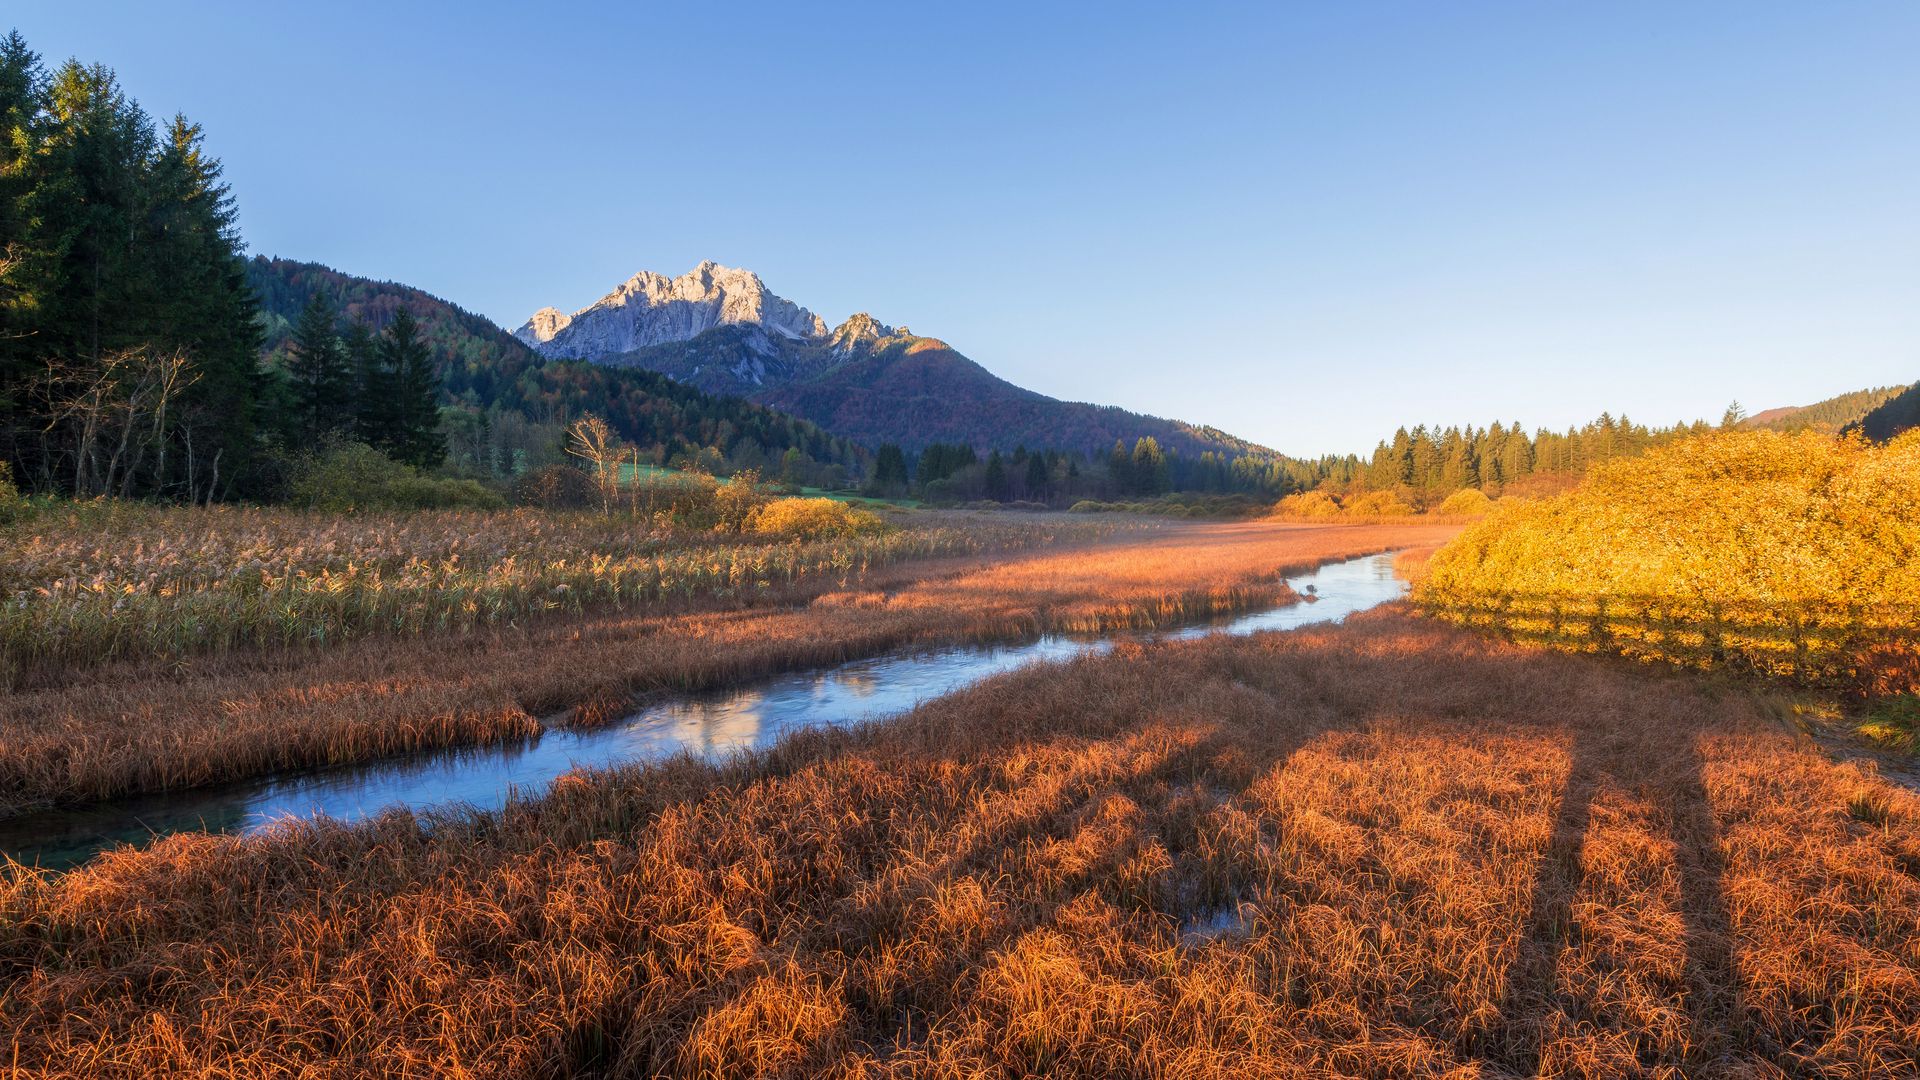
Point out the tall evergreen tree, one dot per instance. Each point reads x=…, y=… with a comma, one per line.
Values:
x=128, y=341
x=416, y=437
x=1148, y=469
x=889, y=471
x=375, y=387
x=1120, y=468
x=22, y=115
x=321, y=377
x=999, y=488
x=1037, y=477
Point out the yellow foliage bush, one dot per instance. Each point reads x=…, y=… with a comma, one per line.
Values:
x=1379, y=504
x=1467, y=502
x=815, y=519
x=1308, y=504
x=1787, y=554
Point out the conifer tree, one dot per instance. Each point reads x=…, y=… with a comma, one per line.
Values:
x=889, y=471
x=415, y=437
x=123, y=301
x=374, y=387
x=1120, y=468
x=998, y=487
x=1037, y=477
x=1148, y=469
x=320, y=374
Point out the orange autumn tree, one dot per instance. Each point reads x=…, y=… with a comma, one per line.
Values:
x=1794, y=555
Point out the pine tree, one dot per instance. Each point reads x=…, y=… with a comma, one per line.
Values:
x=374, y=387
x=122, y=296
x=889, y=471
x=1120, y=468
x=415, y=437
x=22, y=114
x=998, y=487
x=321, y=376
x=1037, y=477
x=1148, y=470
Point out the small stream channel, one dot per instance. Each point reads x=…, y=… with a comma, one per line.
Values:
x=708, y=725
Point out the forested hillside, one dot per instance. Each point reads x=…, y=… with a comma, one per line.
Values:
x=1895, y=415
x=1829, y=416
x=507, y=405
x=919, y=391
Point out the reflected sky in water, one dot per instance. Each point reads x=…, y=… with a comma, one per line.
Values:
x=708, y=726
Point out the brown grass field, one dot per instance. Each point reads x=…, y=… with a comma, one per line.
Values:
x=113, y=730
x=1386, y=849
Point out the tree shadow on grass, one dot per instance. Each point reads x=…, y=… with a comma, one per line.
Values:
x=1665, y=766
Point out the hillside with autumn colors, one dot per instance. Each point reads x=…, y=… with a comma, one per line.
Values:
x=491, y=381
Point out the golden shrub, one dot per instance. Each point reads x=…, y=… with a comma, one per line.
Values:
x=1787, y=554
x=815, y=519
x=1308, y=504
x=1379, y=504
x=1467, y=502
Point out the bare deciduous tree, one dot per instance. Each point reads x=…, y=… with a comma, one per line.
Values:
x=592, y=440
x=110, y=412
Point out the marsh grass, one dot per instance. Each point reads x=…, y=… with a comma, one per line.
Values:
x=94, y=583
x=1447, y=856
x=145, y=726
x=1894, y=722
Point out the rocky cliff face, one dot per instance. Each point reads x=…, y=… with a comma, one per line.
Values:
x=652, y=309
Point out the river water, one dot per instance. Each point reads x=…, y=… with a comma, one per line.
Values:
x=709, y=725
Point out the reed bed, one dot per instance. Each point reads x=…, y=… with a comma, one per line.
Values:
x=98, y=582
x=1385, y=849
x=116, y=730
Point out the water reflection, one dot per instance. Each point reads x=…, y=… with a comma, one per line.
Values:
x=707, y=726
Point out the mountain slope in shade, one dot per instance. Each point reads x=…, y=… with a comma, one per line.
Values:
x=720, y=329
x=465, y=345
x=914, y=391
x=1830, y=415
x=1895, y=415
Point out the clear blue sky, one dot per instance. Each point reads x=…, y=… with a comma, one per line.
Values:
x=1306, y=224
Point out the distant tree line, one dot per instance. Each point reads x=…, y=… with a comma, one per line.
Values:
x=1442, y=461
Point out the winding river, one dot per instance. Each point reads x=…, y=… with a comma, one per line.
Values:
x=708, y=726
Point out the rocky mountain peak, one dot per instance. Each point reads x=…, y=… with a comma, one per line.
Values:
x=542, y=325
x=858, y=332
x=651, y=309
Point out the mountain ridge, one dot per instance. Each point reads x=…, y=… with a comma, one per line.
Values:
x=485, y=368
x=721, y=329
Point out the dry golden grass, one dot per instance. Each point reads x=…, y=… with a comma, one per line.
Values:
x=88, y=582
x=1386, y=849
x=113, y=730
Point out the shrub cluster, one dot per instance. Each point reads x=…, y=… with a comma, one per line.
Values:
x=355, y=476
x=1179, y=505
x=1793, y=555
x=1382, y=505
x=815, y=519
